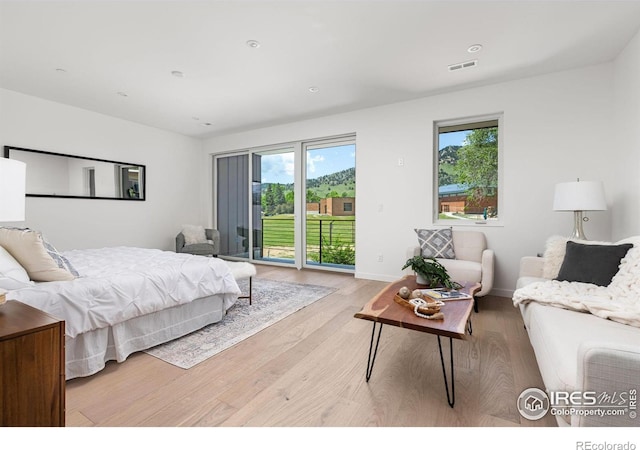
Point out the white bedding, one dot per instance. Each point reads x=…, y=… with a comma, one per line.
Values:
x=119, y=283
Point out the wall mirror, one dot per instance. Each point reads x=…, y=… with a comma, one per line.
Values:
x=69, y=176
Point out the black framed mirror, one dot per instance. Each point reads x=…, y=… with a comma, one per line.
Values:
x=52, y=174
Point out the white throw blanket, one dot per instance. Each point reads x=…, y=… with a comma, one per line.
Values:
x=620, y=301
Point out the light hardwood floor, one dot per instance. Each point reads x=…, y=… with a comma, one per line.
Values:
x=309, y=370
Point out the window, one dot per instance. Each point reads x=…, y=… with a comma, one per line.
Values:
x=467, y=170
x=348, y=207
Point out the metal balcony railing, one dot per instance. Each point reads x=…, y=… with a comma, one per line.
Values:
x=328, y=241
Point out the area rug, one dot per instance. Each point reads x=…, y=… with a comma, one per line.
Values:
x=272, y=301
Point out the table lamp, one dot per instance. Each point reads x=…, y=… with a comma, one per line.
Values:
x=12, y=194
x=579, y=196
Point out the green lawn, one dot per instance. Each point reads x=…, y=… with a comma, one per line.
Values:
x=278, y=231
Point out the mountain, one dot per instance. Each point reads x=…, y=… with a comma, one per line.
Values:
x=343, y=183
x=340, y=184
x=449, y=154
x=345, y=177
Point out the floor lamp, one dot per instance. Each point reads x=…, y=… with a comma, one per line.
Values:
x=579, y=196
x=12, y=194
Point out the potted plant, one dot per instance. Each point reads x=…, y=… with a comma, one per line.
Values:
x=430, y=272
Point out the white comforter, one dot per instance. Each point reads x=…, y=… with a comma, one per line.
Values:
x=120, y=283
x=620, y=301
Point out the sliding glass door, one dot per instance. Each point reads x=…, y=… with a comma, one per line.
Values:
x=330, y=219
x=274, y=205
x=255, y=215
x=290, y=204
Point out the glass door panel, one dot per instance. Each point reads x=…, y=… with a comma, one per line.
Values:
x=232, y=204
x=274, y=205
x=330, y=217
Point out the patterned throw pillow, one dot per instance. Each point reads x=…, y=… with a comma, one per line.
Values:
x=61, y=260
x=436, y=243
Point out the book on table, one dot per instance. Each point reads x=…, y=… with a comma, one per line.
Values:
x=446, y=294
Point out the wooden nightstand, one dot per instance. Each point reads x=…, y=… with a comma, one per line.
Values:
x=32, y=367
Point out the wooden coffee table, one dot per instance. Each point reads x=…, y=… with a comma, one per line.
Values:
x=382, y=309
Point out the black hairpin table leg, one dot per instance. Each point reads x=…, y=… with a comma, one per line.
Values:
x=370, y=359
x=451, y=397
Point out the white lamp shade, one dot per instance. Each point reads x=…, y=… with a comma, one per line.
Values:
x=579, y=196
x=12, y=190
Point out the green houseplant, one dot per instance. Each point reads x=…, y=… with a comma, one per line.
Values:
x=430, y=272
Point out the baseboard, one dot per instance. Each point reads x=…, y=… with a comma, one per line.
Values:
x=502, y=293
x=376, y=277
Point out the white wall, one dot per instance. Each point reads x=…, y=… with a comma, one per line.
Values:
x=626, y=146
x=556, y=128
x=175, y=192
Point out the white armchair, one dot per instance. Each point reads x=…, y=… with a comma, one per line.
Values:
x=473, y=260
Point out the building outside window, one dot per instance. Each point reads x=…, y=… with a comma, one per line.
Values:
x=467, y=170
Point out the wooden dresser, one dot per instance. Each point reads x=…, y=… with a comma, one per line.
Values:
x=32, y=367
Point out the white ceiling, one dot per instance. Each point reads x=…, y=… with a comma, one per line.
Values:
x=358, y=53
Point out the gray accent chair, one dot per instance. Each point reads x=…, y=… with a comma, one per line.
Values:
x=204, y=249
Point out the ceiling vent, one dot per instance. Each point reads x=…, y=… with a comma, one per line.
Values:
x=463, y=65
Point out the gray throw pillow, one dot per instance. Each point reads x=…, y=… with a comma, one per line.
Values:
x=436, y=243
x=595, y=264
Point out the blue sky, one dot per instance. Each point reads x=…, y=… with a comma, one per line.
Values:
x=279, y=168
x=453, y=138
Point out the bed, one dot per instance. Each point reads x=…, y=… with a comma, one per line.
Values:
x=119, y=300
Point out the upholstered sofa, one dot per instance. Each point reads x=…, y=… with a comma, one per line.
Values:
x=472, y=260
x=581, y=352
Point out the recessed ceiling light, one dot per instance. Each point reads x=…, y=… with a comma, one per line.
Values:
x=253, y=44
x=206, y=124
x=122, y=94
x=177, y=73
x=61, y=70
x=475, y=48
x=314, y=89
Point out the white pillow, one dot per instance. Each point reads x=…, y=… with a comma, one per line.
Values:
x=553, y=256
x=194, y=234
x=12, y=274
x=28, y=248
